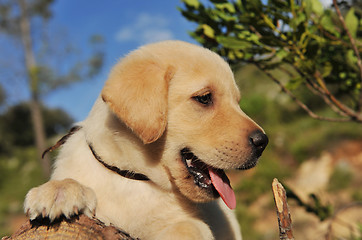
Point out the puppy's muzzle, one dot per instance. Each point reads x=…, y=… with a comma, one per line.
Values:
x=258, y=141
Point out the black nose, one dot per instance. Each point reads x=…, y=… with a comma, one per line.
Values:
x=259, y=141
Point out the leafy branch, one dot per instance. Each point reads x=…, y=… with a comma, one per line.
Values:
x=354, y=47
x=318, y=49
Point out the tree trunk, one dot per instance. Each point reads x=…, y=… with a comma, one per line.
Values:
x=35, y=105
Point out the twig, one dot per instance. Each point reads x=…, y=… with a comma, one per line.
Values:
x=284, y=220
x=335, y=101
x=317, y=90
x=355, y=49
x=302, y=105
x=321, y=89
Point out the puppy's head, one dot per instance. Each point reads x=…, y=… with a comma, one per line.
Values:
x=187, y=95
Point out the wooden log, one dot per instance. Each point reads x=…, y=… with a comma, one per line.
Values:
x=284, y=219
x=78, y=227
x=82, y=228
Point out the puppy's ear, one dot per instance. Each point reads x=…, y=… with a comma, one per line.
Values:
x=137, y=92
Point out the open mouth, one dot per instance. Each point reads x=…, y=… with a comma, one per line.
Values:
x=209, y=178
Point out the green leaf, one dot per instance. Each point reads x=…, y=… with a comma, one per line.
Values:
x=248, y=55
x=192, y=3
x=239, y=54
x=342, y=75
x=351, y=58
x=208, y=31
x=225, y=16
x=300, y=18
x=231, y=55
x=317, y=7
x=313, y=6
x=294, y=83
x=232, y=42
x=282, y=53
x=253, y=38
x=228, y=6
x=328, y=24
x=327, y=69
x=352, y=22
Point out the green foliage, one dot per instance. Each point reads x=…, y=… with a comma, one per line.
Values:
x=9, y=9
x=272, y=34
x=16, y=126
x=18, y=174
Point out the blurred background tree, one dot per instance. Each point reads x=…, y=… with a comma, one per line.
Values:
x=2, y=96
x=317, y=48
x=17, y=19
x=16, y=126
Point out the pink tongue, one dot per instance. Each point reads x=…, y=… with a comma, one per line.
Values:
x=223, y=187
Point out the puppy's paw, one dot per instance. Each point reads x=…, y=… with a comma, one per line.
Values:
x=55, y=198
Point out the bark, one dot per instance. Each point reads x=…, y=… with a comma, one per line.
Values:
x=35, y=104
x=79, y=227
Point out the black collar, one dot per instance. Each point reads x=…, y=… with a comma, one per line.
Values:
x=123, y=173
x=61, y=141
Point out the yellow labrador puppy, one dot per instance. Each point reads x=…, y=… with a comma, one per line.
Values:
x=151, y=155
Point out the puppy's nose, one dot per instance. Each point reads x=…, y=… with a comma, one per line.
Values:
x=259, y=141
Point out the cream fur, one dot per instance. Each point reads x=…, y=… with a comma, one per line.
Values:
x=143, y=118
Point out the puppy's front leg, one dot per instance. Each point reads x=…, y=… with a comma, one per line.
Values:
x=55, y=198
x=187, y=230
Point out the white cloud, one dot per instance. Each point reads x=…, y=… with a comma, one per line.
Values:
x=155, y=35
x=124, y=34
x=146, y=20
x=145, y=29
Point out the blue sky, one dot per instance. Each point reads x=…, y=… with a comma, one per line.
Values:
x=124, y=24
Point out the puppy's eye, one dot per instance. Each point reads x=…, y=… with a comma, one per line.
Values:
x=205, y=99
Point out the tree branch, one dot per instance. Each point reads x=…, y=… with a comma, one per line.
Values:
x=332, y=98
x=314, y=89
x=328, y=97
x=355, y=49
x=301, y=104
